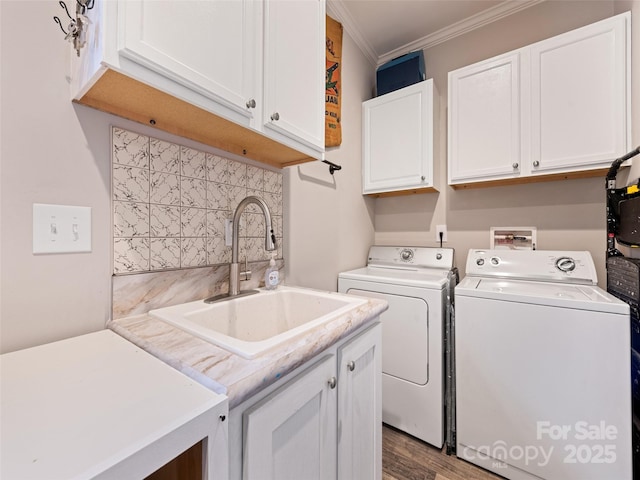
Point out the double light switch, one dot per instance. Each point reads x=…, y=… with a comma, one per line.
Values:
x=61, y=229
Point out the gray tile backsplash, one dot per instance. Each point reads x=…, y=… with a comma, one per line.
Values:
x=170, y=203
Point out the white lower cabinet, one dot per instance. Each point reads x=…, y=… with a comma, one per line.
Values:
x=360, y=407
x=292, y=432
x=322, y=422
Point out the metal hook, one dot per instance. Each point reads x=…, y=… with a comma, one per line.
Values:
x=64, y=6
x=59, y=22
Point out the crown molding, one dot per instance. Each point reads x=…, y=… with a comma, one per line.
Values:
x=338, y=11
x=460, y=28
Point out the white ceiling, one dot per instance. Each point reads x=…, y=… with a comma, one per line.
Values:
x=385, y=29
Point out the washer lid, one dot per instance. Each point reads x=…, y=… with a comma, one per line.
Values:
x=425, y=278
x=581, y=297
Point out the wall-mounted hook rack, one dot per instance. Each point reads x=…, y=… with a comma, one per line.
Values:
x=332, y=166
x=77, y=28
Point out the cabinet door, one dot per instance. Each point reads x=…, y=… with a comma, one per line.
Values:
x=291, y=434
x=217, y=447
x=398, y=139
x=579, y=97
x=360, y=407
x=207, y=46
x=485, y=113
x=294, y=70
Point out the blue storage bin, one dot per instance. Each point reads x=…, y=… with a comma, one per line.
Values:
x=400, y=72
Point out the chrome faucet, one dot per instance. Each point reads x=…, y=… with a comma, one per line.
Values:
x=269, y=240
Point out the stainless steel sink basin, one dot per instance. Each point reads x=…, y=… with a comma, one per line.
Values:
x=252, y=325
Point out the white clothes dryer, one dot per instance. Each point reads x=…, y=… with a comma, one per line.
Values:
x=542, y=368
x=417, y=282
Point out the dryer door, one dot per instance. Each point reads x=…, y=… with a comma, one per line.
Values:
x=405, y=336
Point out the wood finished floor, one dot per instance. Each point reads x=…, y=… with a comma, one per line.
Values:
x=407, y=458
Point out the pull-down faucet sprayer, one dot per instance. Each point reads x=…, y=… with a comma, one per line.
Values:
x=269, y=239
x=234, y=267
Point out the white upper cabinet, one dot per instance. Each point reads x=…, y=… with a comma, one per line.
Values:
x=485, y=113
x=215, y=71
x=294, y=70
x=580, y=102
x=207, y=46
x=556, y=107
x=398, y=140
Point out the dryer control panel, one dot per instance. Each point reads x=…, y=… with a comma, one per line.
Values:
x=411, y=257
x=537, y=265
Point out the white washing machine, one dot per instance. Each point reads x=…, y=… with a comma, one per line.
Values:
x=542, y=368
x=417, y=283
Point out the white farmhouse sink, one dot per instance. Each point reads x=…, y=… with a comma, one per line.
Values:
x=251, y=325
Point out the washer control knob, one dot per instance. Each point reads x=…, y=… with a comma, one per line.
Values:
x=566, y=264
x=495, y=261
x=480, y=261
x=406, y=255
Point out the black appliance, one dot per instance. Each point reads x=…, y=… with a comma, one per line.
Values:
x=623, y=277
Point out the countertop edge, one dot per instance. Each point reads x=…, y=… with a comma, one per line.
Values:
x=229, y=374
x=159, y=353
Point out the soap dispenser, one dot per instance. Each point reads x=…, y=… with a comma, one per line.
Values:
x=272, y=276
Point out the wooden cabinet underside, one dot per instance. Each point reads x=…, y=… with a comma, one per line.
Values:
x=128, y=98
x=600, y=172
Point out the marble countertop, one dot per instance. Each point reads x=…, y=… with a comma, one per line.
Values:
x=230, y=374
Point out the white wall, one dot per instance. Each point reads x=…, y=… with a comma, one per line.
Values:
x=569, y=215
x=330, y=223
x=52, y=152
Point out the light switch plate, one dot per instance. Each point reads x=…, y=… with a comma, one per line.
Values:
x=61, y=229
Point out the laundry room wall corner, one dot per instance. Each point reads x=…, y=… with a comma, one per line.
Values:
x=330, y=223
